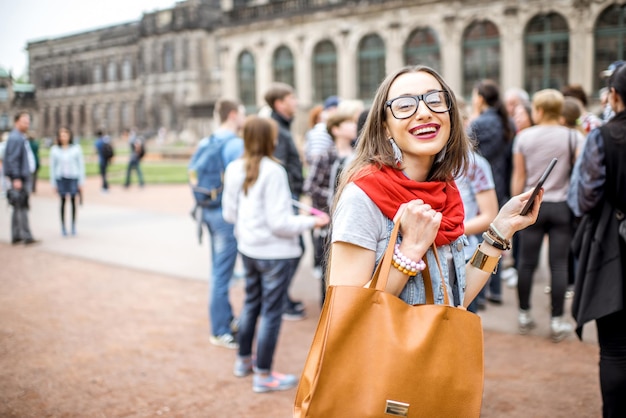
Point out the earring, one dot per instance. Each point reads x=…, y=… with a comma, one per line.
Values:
x=397, y=153
x=441, y=155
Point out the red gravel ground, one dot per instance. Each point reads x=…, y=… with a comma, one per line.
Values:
x=83, y=339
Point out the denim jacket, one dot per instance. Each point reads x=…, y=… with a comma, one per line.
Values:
x=452, y=258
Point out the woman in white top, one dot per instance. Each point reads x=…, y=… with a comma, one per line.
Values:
x=67, y=172
x=257, y=200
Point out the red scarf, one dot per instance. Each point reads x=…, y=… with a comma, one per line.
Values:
x=390, y=188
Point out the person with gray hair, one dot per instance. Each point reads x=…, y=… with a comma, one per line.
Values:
x=514, y=97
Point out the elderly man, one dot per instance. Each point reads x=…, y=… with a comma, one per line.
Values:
x=19, y=165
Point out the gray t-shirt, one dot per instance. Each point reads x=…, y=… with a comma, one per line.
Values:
x=539, y=144
x=357, y=220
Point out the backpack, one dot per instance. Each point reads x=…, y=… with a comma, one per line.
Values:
x=107, y=151
x=208, y=165
x=142, y=149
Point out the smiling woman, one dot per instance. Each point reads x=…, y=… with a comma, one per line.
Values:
x=402, y=179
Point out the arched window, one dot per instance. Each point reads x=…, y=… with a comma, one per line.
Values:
x=125, y=110
x=96, y=117
x=546, y=46
x=324, y=71
x=481, y=54
x=4, y=122
x=422, y=48
x=371, y=66
x=185, y=54
x=283, y=66
x=4, y=93
x=110, y=118
x=610, y=40
x=81, y=121
x=127, y=69
x=246, y=79
x=97, y=73
x=57, y=118
x=112, y=71
x=168, y=57
x=140, y=114
x=69, y=117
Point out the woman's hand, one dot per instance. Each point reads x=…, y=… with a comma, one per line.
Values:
x=419, y=224
x=321, y=219
x=509, y=221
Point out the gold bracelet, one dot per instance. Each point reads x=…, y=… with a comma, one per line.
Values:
x=484, y=262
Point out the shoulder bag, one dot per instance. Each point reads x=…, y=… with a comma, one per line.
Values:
x=373, y=355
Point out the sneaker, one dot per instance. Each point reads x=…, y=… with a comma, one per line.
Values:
x=525, y=322
x=559, y=329
x=292, y=314
x=510, y=277
x=225, y=340
x=273, y=382
x=243, y=366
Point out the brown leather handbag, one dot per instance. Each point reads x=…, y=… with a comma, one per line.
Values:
x=373, y=355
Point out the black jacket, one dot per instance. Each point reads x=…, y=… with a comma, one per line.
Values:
x=600, y=288
x=288, y=155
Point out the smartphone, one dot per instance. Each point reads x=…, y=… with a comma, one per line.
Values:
x=528, y=206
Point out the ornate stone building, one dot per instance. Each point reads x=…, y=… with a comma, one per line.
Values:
x=168, y=69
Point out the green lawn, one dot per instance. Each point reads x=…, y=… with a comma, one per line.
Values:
x=153, y=172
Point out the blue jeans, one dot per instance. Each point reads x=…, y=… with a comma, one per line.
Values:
x=223, y=257
x=266, y=287
x=133, y=164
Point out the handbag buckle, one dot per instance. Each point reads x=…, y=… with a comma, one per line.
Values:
x=398, y=409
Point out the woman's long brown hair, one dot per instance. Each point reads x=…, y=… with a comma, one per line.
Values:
x=259, y=140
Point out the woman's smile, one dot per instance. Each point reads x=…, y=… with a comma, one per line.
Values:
x=425, y=131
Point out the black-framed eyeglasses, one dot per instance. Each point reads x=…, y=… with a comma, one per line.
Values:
x=405, y=106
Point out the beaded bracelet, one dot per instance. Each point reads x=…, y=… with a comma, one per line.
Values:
x=497, y=234
x=405, y=264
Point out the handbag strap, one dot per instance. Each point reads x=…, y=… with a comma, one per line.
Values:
x=384, y=267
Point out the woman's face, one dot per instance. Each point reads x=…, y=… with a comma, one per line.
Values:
x=64, y=137
x=346, y=129
x=521, y=118
x=425, y=133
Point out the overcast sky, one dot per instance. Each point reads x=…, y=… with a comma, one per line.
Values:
x=32, y=20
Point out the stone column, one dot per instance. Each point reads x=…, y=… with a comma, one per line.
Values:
x=346, y=64
x=303, y=72
x=451, y=52
x=263, y=60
